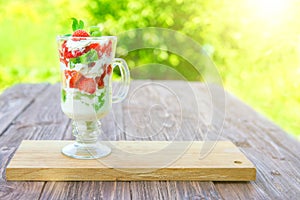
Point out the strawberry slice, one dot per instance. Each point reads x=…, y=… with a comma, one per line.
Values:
x=108, y=69
x=74, y=77
x=104, y=71
x=99, y=79
x=107, y=48
x=100, y=82
x=62, y=58
x=87, y=85
x=95, y=46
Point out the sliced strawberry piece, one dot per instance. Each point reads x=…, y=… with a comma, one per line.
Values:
x=87, y=85
x=65, y=51
x=74, y=54
x=74, y=77
x=100, y=82
x=64, y=44
x=103, y=74
x=62, y=58
x=95, y=46
x=77, y=53
x=107, y=48
x=108, y=69
x=100, y=79
x=68, y=73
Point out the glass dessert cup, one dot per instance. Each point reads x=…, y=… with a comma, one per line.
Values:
x=86, y=65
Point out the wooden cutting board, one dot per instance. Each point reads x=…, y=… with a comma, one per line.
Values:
x=42, y=160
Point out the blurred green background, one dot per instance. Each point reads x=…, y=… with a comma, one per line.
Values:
x=254, y=43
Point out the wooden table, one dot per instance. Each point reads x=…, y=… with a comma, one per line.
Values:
x=32, y=112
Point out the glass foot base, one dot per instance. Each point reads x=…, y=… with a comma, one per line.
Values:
x=86, y=151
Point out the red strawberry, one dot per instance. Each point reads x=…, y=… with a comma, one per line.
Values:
x=99, y=79
x=62, y=58
x=108, y=69
x=68, y=73
x=107, y=48
x=87, y=85
x=100, y=82
x=75, y=77
x=104, y=72
x=77, y=53
x=80, y=33
x=95, y=46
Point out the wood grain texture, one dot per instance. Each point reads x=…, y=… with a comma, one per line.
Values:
x=15, y=100
x=270, y=149
x=43, y=161
x=273, y=152
x=112, y=126
x=31, y=124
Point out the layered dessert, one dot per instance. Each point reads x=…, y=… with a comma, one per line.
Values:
x=85, y=63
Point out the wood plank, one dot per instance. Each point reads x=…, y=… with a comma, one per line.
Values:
x=240, y=190
x=31, y=124
x=196, y=190
x=273, y=152
x=14, y=100
x=257, y=137
x=162, y=110
x=151, y=190
x=86, y=190
x=112, y=126
x=187, y=125
x=131, y=160
x=174, y=190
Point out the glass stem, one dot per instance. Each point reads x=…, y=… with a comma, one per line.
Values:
x=86, y=132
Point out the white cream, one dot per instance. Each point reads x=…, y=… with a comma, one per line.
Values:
x=77, y=45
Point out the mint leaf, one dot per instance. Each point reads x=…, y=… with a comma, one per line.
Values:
x=72, y=65
x=96, y=34
x=63, y=95
x=67, y=34
x=94, y=28
x=80, y=25
x=88, y=57
x=91, y=56
x=74, y=24
x=95, y=31
x=100, y=102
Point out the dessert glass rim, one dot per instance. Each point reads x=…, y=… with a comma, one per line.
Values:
x=64, y=37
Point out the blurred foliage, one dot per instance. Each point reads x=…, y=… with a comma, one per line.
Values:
x=254, y=43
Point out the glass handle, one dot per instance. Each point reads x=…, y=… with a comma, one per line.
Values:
x=125, y=80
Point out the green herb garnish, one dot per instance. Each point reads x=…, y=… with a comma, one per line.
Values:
x=95, y=31
x=76, y=25
x=100, y=102
x=88, y=57
x=63, y=95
